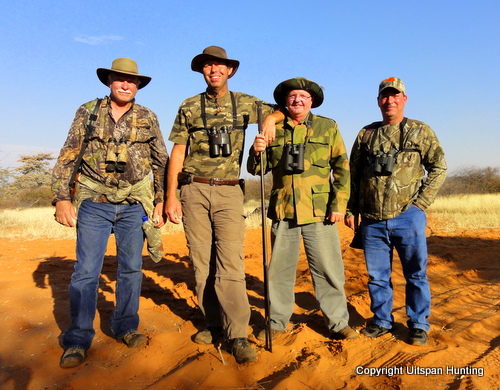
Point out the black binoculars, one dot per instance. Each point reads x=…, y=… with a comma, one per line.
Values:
x=294, y=158
x=219, y=142
x=383, y=163
x=116, y=156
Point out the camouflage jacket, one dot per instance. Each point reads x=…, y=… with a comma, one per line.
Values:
x=311, y=195
x=143, y=150
x=189, y=129
x=418, y=172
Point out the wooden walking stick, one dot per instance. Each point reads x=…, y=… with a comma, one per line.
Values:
x=267, y=315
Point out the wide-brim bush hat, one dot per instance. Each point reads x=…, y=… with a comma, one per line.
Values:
x=286, y=86
x=123, y=66
x=213, y=53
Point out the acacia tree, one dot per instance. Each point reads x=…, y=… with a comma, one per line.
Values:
x=31, y=181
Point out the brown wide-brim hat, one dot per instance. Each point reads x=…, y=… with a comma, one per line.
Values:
x=286, y=86
x=211, y=53
x=123, y=66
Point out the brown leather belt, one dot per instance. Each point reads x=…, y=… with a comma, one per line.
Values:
x=213, y=181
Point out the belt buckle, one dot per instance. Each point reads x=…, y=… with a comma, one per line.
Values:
x=212, y=181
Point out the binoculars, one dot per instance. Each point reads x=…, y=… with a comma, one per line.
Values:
x=116, y=156
x=384, y=162
x=294, y=157
x=219, y=142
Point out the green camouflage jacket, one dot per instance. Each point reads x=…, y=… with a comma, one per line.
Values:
x=189, y=129
x=417, y=175
x=143, y=150
x=311, y=195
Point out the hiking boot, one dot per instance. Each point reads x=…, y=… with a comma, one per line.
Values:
x=274, y=333
x=209, y=335
x=242, y=351
x=133, y=339
x=374, y=331
x=346, y=333
x=418, y=337
x=73, y=357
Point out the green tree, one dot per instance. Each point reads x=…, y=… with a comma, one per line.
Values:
x=31, y=181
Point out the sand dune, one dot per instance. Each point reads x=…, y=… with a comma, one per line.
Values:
x=463, y=350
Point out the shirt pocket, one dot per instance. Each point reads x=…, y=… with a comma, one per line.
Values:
x=320, y=199
x=318, y=153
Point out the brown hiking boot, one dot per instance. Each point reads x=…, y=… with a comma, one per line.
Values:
x=346, y=333
x=243, y=352
x=209, y=335
x=133, y=339
x=73, y=357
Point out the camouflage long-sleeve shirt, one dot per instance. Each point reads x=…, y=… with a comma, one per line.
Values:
x=189, y=129
x=312, y=195
x=417, y=175
x=138, y=140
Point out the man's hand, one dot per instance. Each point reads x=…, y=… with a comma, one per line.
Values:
x=352, y=222
x=269, y=126
x=174, y=210
x=335, y=217
x=65, y=213
x=259, y=144
x=159, y=216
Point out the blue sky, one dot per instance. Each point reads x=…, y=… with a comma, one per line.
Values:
x=447, y=53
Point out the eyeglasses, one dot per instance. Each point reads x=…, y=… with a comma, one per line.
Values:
x=299, y=98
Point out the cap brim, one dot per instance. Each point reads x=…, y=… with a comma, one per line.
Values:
x=103, y=73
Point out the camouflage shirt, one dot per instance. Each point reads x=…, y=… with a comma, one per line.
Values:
x=143, y=150
x=189, y=129
x=311, y=195
x=417, y=174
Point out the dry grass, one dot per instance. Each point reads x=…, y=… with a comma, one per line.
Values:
x=454, y=212
x=467, y=211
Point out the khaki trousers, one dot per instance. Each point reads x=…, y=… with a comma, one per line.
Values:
x=214, y=224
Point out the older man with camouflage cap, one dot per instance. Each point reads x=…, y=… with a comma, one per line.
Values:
x=397, y=167
x=122, y=146
x=208, y=136
x=307, y=153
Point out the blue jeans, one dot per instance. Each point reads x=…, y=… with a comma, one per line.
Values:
x=406, y=233
x=96, y=221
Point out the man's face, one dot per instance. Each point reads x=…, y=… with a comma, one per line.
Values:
x=299, y=103
x=123, y=87
x=216, y=73
x=392, y=105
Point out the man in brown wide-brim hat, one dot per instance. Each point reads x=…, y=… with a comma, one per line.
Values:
x=114, y=145
x=208, y=136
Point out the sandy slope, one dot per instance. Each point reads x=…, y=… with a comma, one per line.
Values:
x=463, y=351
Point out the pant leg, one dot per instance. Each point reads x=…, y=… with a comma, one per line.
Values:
x=229, y=234
x=378, y=257
x=129, y=244
x=322, y=246
x=196, y=217
x=408, y=235
x=95, y=221
x=285, y=239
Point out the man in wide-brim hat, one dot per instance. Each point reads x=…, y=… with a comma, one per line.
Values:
x=120, y=145
x=208, y=136
x=305, y=202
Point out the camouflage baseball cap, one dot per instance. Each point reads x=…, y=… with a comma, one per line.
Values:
x=298, y=83
x=213, y=53
x=123, y=66
x=392, y=82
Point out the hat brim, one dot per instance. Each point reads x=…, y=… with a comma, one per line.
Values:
x=286, y=86
x=103, y=73
x=198, y=62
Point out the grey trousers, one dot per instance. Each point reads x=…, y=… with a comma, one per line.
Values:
x=322, y=246
x=214, y=224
